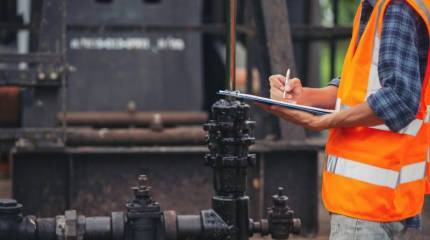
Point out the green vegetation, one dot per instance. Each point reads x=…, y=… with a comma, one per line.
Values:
x=346, y=14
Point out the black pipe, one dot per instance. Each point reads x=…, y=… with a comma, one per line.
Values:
x=189, y=226
x=208, y=226
x=15, y=226
x=46, y=228
x=98, y=228
x=30, y=228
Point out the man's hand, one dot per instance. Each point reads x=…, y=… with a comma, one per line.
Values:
x=307, y=120
x=357, y=116
x=293, y=89
x=294, y=94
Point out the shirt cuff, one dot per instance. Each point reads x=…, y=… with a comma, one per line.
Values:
x=389, y=107
x=335, y=82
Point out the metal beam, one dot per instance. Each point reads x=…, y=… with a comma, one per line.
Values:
x=31, y=58
x=30, y=137
x=297, y=31
x=26, y=78
x=115, y=119
x=273, y=23
x=315, y=33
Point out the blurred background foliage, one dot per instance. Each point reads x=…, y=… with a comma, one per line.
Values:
x=346, y=13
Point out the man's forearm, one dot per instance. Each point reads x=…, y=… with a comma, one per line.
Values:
x=319, y=97
x=358, y=116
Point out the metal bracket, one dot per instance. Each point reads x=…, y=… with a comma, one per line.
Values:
x=30, y=138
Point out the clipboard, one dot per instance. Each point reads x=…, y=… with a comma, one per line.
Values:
x=268, y=101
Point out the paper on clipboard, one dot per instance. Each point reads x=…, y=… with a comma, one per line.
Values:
x=312, y=110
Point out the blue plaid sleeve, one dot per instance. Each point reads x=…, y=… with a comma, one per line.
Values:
x=399, y=68
x=334, y=82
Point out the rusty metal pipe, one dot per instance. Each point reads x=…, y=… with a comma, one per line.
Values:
x=9, y=106
x=135, y=136
x=118, y=119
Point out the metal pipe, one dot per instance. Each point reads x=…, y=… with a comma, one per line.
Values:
x=9, y=106
x=46, y=228
x=118, y=119
x=98, y=228
x=207, y=225
x=231, y=44
x=135, y=136
x=189, y=226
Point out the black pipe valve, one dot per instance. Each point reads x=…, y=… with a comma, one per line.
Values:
x=13, y=225
x=280, y=216
x=10, y=208
x=229, y=138
x=143, y=213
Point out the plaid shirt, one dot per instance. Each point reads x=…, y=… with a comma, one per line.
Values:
x=402, y=63
x=402, y=66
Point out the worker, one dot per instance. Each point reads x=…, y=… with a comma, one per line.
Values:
x=374, y=174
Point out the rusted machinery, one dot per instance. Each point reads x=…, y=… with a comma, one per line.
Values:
x=98, y=128
x=229, y=138
x=9, y=103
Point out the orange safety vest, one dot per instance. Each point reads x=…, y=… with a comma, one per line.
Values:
x=372, y=173
x=427, y=125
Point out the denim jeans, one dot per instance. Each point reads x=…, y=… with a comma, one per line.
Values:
x=345, y=228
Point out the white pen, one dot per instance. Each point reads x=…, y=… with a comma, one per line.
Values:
x=287, y=78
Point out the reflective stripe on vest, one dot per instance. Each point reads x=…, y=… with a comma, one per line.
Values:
x=427, y=121
x=411, y=129
x=375, y=175
x=427, y=118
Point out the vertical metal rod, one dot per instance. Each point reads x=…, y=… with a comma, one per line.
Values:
x=231, y=44
x=70, y=181
x=333, y=43
x=250, y=44
x=65, y=73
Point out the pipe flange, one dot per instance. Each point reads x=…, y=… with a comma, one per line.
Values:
x=70, y=226
x=10, y=206
x=60, y=225
x=118, y=221
x=170, y=225
x=265, y=227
